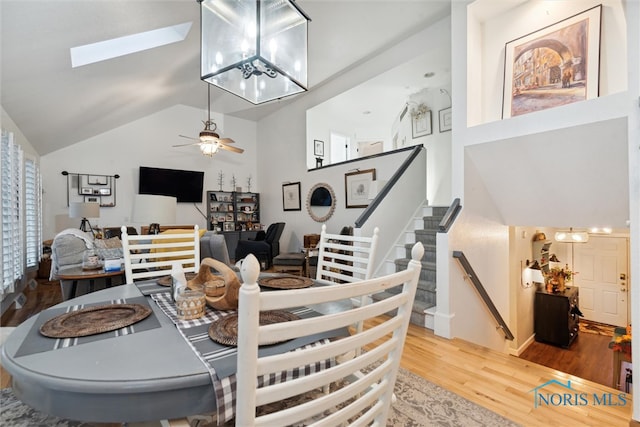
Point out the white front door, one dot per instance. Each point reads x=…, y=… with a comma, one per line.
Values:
x=602, y=275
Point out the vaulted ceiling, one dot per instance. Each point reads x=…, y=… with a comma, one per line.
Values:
x=56, y=105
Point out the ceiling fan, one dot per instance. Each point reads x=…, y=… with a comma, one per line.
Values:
x=208, y=140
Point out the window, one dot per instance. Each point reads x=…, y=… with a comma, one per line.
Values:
x=32, y=211
x=11, y=200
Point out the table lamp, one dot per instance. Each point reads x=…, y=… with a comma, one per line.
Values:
x=154, y=210
x=84, y=211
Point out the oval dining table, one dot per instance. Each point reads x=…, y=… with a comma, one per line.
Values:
x=143, y=376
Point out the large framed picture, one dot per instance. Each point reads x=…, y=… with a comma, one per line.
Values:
x=553, y=66
x=291, y=197
x=356, y=187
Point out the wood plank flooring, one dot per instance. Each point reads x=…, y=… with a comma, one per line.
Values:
x=499, y=382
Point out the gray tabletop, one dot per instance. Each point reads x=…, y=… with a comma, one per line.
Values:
x=149, y=375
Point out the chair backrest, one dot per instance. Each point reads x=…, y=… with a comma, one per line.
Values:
x=148, y=256
x=214, y=246
x=365, y=381
x=110, y=232
x=274, y=231
x=343, y=258
x=67, y=249
x=273, y=237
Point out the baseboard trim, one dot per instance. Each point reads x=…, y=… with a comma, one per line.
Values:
x=518, y=351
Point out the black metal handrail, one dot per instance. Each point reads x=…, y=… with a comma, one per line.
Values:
x=483, y=294
x=450, y=216
x=387, y=188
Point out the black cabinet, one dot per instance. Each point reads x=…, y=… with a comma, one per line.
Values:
x=556, y=316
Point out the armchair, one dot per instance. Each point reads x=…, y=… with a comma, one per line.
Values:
x=265, y=247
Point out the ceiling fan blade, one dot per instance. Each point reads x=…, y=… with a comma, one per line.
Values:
x=230, y=148
x=189, y=137
x=226, y=140
x=186, y=145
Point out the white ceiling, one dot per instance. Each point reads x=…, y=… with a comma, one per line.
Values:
x=56, y=106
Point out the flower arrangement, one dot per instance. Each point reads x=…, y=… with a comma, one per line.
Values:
x=623, y=342
x=557, y=277
x=419, y=111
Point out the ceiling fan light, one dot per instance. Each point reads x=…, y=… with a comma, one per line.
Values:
x=208, y=149
x=263, y=41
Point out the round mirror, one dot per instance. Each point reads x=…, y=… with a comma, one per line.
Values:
x=321, y=202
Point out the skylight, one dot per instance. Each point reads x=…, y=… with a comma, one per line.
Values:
x=108, y=49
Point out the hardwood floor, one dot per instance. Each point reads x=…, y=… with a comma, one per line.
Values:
x=588, y=357
x=502, y=383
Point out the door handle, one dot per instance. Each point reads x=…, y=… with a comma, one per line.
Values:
x=623, y=276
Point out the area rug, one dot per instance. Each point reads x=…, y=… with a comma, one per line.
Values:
x=590, y=327
x=419, y=403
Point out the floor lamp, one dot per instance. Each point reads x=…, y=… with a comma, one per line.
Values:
x=84, y=211
x=154, y=210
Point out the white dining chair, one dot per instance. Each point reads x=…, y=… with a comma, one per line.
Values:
x=345, y=258
x=153, y=255
x=362, y=387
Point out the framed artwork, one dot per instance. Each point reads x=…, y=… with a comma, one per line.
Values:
x=291, y=197
x=91, y=199
x=356, y=188
x=318, y=148
x=445, y=119
x=228, y=226
x=421, y=125
x=86, y=190
x=104, y=191
x=213, y=197
x=553, y=66
x=97, y=180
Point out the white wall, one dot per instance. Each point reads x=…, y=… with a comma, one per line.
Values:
x=7, y=123
x=148, y=142
x=591, y=185
x=283, y=153
x=486, y=59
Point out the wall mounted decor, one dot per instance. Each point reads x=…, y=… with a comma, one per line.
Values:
x=291, y=197
x=88, y=188
x=421, y=124
x=445, y=119
x=356, y=187
x=553, y=66
x=318, y=148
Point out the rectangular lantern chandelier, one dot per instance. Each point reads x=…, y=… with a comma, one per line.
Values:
x=255, y=49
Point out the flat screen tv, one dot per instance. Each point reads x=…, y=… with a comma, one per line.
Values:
x=184, y=185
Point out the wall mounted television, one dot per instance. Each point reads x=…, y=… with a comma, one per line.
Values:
x=184, y=185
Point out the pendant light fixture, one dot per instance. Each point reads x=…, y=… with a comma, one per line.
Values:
x=255, y=49
x=572, y=236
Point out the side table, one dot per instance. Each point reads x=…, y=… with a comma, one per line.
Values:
x=76, y=274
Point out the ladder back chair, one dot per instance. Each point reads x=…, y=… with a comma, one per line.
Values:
x=345, y=258
x=362, y=387
x=153, y=255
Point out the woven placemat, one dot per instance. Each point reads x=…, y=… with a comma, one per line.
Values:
x=94, y=320
x=225, y=331
x=285, y=282
x=166, y=280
